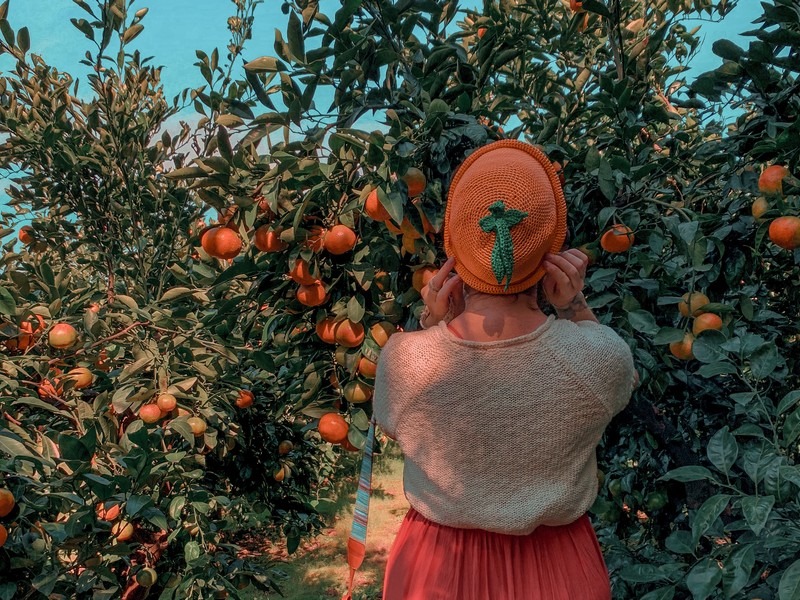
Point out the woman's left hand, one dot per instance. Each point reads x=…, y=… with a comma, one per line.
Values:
x=564, y=278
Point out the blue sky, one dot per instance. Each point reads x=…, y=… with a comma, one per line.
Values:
x=175, y=28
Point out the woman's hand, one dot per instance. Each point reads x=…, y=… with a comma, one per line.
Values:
x=442, y=294
x=564, y=278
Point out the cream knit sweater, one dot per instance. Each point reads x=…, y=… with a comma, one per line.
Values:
x=502, y=435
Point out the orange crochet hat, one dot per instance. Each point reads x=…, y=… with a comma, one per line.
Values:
x=505, y=211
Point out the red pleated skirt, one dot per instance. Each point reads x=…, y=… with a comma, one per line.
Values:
x=429, y=561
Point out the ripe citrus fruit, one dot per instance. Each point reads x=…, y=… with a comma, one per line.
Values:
x=62, y=336
x=245, y=399
x=482, y=32
x=301, y=273
x=373, y=207
x=771, y=179
x=340, y=239
x=268, y=240
x=3, y=536
x=759, y=207
x=348, y=446
x=333, y=428
x=81, y=377
x=380, y=332
x=576, y=6
x=683, y=349
x=26, y=234
x=316, y=238
x=221, y=242
x=7, y=502
x=27, y=335
x=48, y=390
x=706, y=321
x=325, y=330
x=150, y=413
x=560, y=172
x=166, y=402
x=367, y=368
x=122, y=531
x=198, y=426
x=147, y=577
x=422, y=276
x=279, y=474
x=785, y=232
x=415, y=180
x=312, y=295
x=107, y=513
x=349, y=334
x=382, y=280
x=697, y=301
x=285, y=447
x=392, y=227
x=408, y=230
x=617, y=239
x=357, y=392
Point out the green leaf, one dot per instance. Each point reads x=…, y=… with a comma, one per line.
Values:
x=764, y=361
x=191, y=551
x=295, y=38
x=680, y=542
x=717, y=368
x=45, y=582
x=360, y=419
x=707, y=347
x=722, y=450
x=642, y=574
x=8, y=306
x=707, y=514
x=265, y=64
x=643, y=321
x=229, y=120
x=667, y=335
x=687, y=474
x=173, y=293
x=727, y=50
x=135, y=504
x=702, y=580
x=606, y=179
x=7, y=590
x=756, y=511
x=186, y=173
x=791, y=427
x=176, y=506
x=356, y=308
x=788, y=401
x=789, y=587
x=737, y=568
x=24, y=40
x=72, y=448
x=132, y=32
x=663, y=593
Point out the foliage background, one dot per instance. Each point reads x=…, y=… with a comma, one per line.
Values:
x=700, y=491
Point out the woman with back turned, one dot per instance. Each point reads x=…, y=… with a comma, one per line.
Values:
x=498, y=407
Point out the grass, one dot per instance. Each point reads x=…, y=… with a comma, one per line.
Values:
x=318, y=569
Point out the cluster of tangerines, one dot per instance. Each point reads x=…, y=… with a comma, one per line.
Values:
x=166, y=405
x=784, y=231
x=349, y=336
x=7, y=504
x=692, y=304
x=416, y=183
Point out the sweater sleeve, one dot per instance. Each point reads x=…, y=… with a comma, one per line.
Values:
x=384, y=401
x=608, y=366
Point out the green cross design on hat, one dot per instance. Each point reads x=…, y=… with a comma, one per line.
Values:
x=501, y=220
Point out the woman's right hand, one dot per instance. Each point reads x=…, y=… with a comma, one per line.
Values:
x=442, y=294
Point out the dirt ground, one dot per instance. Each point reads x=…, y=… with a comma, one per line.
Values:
x=318, y=569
